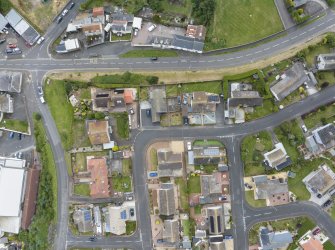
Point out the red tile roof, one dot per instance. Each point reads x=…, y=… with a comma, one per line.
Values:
x=312, y=244
x=128, y=96
x=30, y=197
x=98, y=169
x=98, y=11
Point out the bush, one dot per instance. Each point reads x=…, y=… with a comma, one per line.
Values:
x=152, y=80
x=330, y=2
x=37, y=116
x=99, y=115
x=330, y=38
x=324, y=85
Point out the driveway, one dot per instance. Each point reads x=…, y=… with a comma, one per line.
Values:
x=284, y=15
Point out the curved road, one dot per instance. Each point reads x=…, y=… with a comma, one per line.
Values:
x=38, y=60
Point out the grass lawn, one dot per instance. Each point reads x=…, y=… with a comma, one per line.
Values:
x=252, y=152
x=184, y=8
x=61, y=111
x=17, y=125
x=325, y=76
x=126, y=37
x=197, y=209
x=121, y=183
x=207, y=143
x=144, y=93
x=172, y=90
x=130, y=227
x=171, y=119
x=211, y=87
x=314, y=119
x=85, y=93
x=194, y=184
x=183, y=192
x=238, y=22
x=261, y=111
x=186, y=227
x=328, y=245
x=122, y=124
x=82, y=189
x=333, y=212
x=80, y=138
x=79, y=163
x=314, y=52
x=249, y=196
x=126, y=167
x=149, y=53
x=153, y=159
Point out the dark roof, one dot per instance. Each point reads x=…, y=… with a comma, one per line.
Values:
x=30, y=197
x=187, y=43
x=273, y=240
x=122, y=17
x=250, y=102
x=102, y=102
x=170, y=165
x=327, y=134
x=285, y=164
x=30, y=35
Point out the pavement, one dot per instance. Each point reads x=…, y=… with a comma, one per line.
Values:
x=39, y=62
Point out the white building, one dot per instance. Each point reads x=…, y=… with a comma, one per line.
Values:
x=12, y=189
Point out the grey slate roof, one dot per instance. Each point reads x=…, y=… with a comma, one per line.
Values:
x=273, y=240
x=119, y=16
x=13, y=17
x=327, y=133
x=3, y=22
x=166, y=199
x=187, y=43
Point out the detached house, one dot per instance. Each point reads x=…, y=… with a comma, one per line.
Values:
x=121, y=23
x=274, y=240
x=322, y=139
x=277, y=158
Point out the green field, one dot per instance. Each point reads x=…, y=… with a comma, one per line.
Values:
x=149, y=53
x=238, y=22
x=121, y=183
x=183, y=192
x=122, y=124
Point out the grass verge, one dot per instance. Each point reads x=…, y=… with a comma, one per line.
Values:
x=16, y=125
x=149, y=53
x=249, y=196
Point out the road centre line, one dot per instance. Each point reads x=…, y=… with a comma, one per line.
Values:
x=275, y=45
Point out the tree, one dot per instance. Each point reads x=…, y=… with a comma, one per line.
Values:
x=331, y=39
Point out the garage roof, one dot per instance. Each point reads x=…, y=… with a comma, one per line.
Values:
x=13, y=17
x=3, y=22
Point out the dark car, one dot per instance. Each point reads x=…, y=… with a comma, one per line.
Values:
x=185, y=121
x=71, y=5
x=9, y=51
x=132, y=212
x=19, y=136
x=327, y=203
x=59, y=19
x=92, y=238
x=319, y=196
x=2, y=41
x=160, y=241
x=11, y=135
x=154, y=58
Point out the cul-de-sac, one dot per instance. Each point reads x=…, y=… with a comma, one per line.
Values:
x=167, y=124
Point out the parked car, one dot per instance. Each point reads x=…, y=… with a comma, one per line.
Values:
x=327, y=203
x=131, y=111
x=40, y=40
x=9, y=51
x=5, y=30
x=131, y=211
x=42, y=99
x=316, y=231
x=319, y=196
x=2, y=40
x=20, y=155
x=227, y=237
x=185, y=121
x=223, y=198
x=11, y=135
x=12, y=46
x=59, y=19
x=153, y=174
x=152, y=27
x=19, y=136
x=304, y=129
x=71, y=5
x=65, y=11
x=189, y=146
x=247, y=185
x=160, y=241
x=40, y=90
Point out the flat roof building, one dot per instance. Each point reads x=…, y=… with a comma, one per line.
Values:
x=10, y=81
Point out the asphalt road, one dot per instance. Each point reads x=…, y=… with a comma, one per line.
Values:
x=39, y=62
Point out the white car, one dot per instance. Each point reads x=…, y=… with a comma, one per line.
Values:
x=189, y=145
x=304, y=129
x=65, y=12
x=40, y=40
x=42, y=99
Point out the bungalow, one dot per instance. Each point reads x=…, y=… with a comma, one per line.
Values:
x=99, y=177
x=322, y=139
x=273, y=240
x=121, y=23
x=166, y=199
x=82, y=217
x=320, y=181
x=171, y=231
x=158, y=103
x=98, y=132
x=208, y=155
x=277, y=158
x=326, y=61
x=214, y=215
x=170, y=164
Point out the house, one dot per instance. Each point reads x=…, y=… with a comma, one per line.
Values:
x=274, y=191
x=3, y=23
x=214, y=215
x=99, y=177
x=30, y=197
x=166, y=199
x=208, y=155
x=196, y=31
x=170, y=164
x=129, y=95
x=6, y=103
x=273, y=240
x=247, y=98
x=277, y=158
x=291, y=80
x=121, y=23
x=10, y=81
x=326, y=61
x=67, y=46
x=117, y=216
x=94, y=34
x=13, y=179
x=325, y=136
x=213, y=187
x=98, y=12
x=98, y=132
x=171, y=231
x=309, y=242
x=158, y=103
x=189, y=44
x=82, y=217
x=22, y=27
x=216, y=242
x=320, y=181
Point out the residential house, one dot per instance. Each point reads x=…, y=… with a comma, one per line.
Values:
x=10, y=81
x=208, y=155
x=326, y=61
x=99, y=177
x=320, y=181
x=30, y=199
x=273, y=240
x=213, y=187
x=6, y=103
x=166, y=199
x=82, y=217
x=189, y=44
x=158, y=103
x=309, y=242
x=129, y=95
x=98, y=12
x=121, y=23
x=214, y=215
x=117, y=216
x=12, y=193
x=170, y=164
x=277, y=158
x=94, y=34
x=67, y=46
x=274, y=191
x=171, y=231
x=249, y=98
x=291, y=80
x=98, y=132
x=322, y=139
x=196, y=31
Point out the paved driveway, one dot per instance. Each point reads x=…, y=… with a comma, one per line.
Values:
x=284, y=15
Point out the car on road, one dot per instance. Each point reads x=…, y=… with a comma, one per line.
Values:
x=223, y=198
x=14, y=51
x=42, y=99
x=185, y=121
x=154, y=58
x=304, y=128
x=92, y=238
x=59, y=19
x=19, y=136
x=65, y=11
x=189, y=146
x=40, y=90
x=71, y=5
x=132, y=212
x=153, y=174
x=40, y=40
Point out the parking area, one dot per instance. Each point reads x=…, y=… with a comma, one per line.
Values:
x=12, y=39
